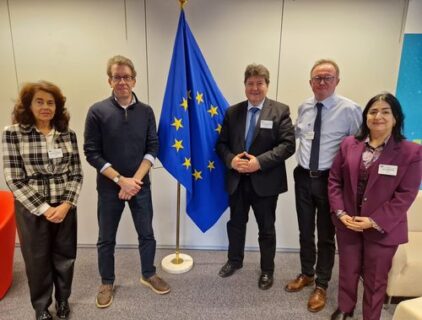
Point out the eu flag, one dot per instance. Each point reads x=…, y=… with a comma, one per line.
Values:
x=191, y=117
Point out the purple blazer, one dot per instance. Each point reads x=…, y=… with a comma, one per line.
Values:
x=387, y=198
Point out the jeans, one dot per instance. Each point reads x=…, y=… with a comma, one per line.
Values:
x=110, y=209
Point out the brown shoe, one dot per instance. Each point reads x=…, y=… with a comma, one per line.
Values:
x=157, y=284
x=104, y=296
x=317, y=299
x=299, y=283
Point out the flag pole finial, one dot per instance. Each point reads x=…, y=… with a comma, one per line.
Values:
x=182, y=3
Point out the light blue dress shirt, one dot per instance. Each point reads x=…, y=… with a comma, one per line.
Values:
x=340, y=117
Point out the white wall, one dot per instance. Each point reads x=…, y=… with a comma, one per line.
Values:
x=414, y=14
x=69, y=42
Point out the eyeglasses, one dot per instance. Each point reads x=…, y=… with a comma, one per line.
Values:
x=327, y=79
x=119, y=78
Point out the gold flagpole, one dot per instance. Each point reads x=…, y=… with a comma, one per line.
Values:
x=178, y=262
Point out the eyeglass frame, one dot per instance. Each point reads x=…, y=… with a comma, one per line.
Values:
x=327, y=79
x=125, y=78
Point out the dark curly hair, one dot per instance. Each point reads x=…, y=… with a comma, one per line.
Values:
x=397, y=111
x=22, y=113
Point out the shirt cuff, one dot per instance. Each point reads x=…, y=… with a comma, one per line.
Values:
x=42, y=209
x=340, y=213
x=150, y=158
x=105, y=167
x=375, y=226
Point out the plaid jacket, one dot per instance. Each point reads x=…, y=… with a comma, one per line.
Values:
x=35, y=179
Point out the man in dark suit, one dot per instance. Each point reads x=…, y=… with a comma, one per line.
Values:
x=256, y=138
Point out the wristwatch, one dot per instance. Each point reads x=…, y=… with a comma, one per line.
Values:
x=116, y=179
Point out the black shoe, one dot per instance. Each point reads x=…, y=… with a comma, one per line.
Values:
x=340, y=315
x=63, y=309
x=228, y=269
x=43, y=315
x=265, y=281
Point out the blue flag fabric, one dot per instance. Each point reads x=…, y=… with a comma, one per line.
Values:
x=191, y=118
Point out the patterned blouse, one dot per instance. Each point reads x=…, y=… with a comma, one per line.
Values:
x=371, y=154
x=34, y=178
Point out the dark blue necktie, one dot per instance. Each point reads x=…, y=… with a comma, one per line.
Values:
x=314, y=159
x=251, y=128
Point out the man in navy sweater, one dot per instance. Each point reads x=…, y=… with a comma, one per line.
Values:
x=121, y=143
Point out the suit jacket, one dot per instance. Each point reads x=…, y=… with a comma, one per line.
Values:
x=386, y=198
x=272, y=146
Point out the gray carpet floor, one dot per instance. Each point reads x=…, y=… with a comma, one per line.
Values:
x=198, y=294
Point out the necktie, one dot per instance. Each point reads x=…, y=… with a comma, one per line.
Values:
x=251, y=129
x=314, y=159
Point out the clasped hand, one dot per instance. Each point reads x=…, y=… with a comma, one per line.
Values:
x=356, y=223
x=129, y=187
x=245, y=163
x=57, y=214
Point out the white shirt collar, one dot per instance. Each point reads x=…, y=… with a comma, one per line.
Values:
x=131, y=102
x=259, y=106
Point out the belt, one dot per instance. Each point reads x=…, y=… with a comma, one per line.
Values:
x=315, y=174
x=45, y=178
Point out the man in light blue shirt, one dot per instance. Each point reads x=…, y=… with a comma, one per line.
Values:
x=323, y=121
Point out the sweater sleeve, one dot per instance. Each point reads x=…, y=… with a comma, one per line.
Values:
x=93, y=141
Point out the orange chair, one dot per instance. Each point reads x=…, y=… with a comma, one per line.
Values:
x=7, y=240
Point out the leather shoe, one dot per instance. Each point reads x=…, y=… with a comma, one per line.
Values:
x=43, y=315
x=340, y=315
x=317, y=299
x=265, y=281
x=299, y=283
x=228, y=269
x=63, y=309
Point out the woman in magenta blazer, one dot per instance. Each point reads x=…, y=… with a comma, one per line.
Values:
x=374, y=179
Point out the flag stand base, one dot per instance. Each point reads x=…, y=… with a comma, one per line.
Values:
x=181, y=264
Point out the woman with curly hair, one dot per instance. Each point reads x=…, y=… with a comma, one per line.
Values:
x=43, y=170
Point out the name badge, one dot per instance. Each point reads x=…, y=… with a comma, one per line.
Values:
x=266, y=124
x=55, y=153
x=388, y=170
x=309, y=135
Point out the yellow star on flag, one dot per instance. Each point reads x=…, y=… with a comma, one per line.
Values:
x=177, y=144
x=189, y=94
x=211, y=165
x=177, y=123
x=199, y=98
x=187, y=163
x=212, y=111
x=218, y=129
x=184, y=104
x=197, y=174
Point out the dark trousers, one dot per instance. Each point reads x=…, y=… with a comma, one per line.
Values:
x=312, y=204
x=264, y=209
x=360, y=257
x=110, y=209
x=49, y=252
